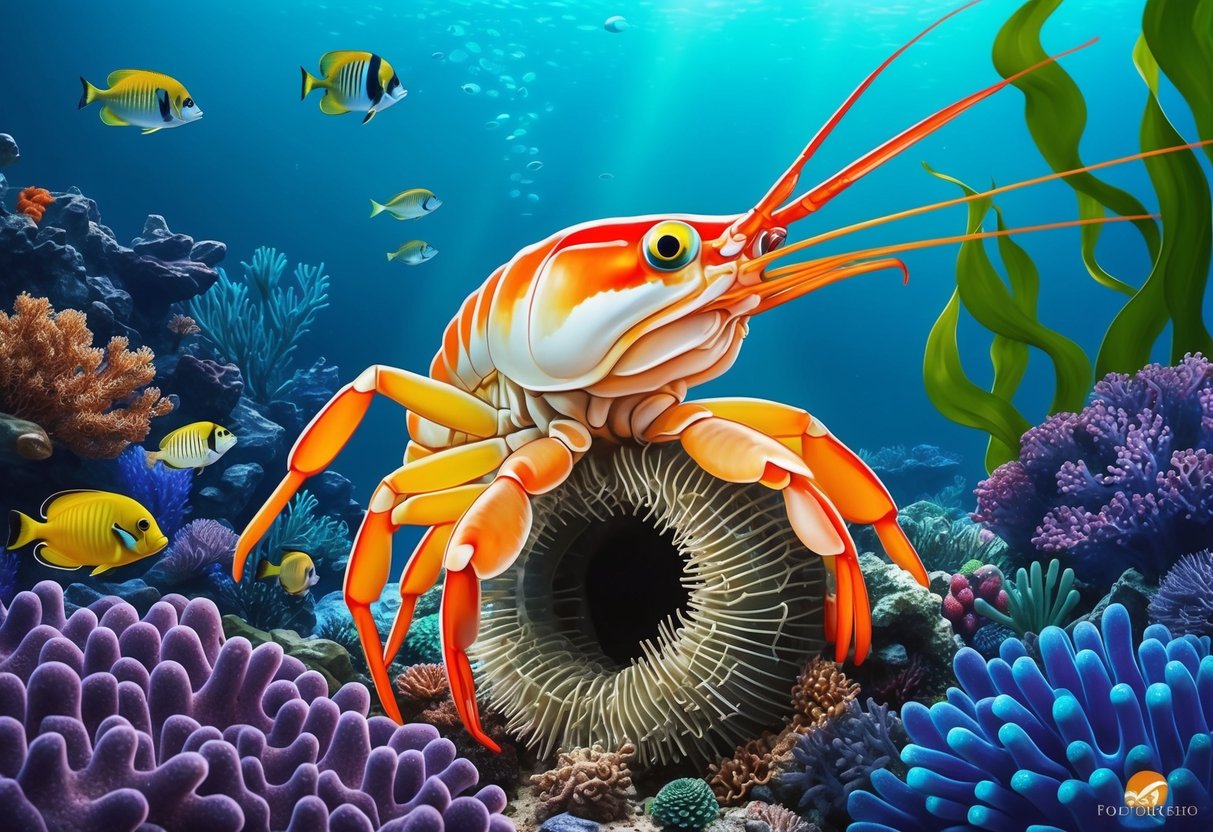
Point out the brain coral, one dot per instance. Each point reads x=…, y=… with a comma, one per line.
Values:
x=116, y=723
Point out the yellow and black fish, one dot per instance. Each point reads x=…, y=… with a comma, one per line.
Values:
x=196, y=445
x=354, y=82
x=296, y=572
x=141, y=98
x=88, y=528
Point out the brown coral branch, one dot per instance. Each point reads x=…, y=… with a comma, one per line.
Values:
x=87, y=398
x=590, y=783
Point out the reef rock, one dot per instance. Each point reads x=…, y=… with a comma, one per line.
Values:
x=231, y=493
x=208, y=387
x=1133, y=592
x=328, y=658
x=77, y=262
x=135, y=592
x=3, y=190
x=9, y=152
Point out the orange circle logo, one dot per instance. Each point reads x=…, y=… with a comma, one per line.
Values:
x=1146, y=789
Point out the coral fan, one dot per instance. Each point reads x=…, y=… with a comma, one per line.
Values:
x=1126, y=482
x=165, y=492
x=590, y=783
x=1034, y=601
x=1184, y=601
x=729, y=611
x=85, y=397
x=33, y=201
x=110, y=722
x=259, y=323
x=839, y=756
x=685, y=805
x=195, y=549
x=326, y=539
x=1026, y=743
x=965, y=589
x=181, y=326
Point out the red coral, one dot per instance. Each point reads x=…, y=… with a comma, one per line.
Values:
x=33, y=201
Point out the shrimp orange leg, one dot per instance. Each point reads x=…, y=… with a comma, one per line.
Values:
x=485, y=542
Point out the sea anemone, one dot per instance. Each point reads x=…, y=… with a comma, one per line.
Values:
x=652, y=603
x=33, y=201
x=1022, y=743
x=1034, y=600
x=685, y=805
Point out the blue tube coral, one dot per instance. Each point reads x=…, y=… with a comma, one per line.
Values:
x=1021, y=747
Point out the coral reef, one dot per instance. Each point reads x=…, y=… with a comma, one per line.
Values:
x=590, y=783
x=1126, y=482
x=1034, y=601
x=262, y=604
x=1184, y=601
x=197, y=548
x=182, y=326
x=684, y=805
x=989, y=639
x=776, y=817
x=33, y=201
x=20, y=438
x=915, y=473
x=329, y=659
x=86, y=398
x=165, y=492
x=911, y=683
x=964, y=590
x=10, y=567
x=420, y=687
x=839, y=757
x=751, y=765
x=724, y=609
x=944, y=542
x=822, y=691
x=302, y=527
x=110, y=722
x=1022, y=743
x=259, y=322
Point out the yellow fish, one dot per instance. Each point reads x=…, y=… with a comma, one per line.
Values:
x=408, y=205
x=414, y=252
x=141, y=98
x=360, y=82
x=295, y=572
x=193, y=446
x=88, y=528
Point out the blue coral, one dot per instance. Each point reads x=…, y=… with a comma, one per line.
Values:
x=1184, y=601
x=1022, y=746
x=164, y=491
x=1127, y=482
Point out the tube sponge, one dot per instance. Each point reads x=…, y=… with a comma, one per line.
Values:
x=116, y=723
x=1022, y=746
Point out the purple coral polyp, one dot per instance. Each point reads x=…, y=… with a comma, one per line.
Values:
x=116, y=723
x=1127, y=482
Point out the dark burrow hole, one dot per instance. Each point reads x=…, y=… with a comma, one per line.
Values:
x=626, y=577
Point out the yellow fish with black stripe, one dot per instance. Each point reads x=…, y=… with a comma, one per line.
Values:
x=88, y=528
x=354, y=82
x=296, y=572
x=142, y=98
x=195, y=446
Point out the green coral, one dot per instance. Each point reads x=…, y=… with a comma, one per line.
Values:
x=971, y=566
x=424, y=642
x=1035, y=600
x=685, y=805
x=326, y=539
x=1176, y=41
x=259, y=321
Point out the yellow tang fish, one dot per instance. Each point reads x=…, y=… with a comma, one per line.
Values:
x=194, y=446
x=141, y=98
x=414, y=252
x=88, y=528
x=408, y=205
x=295, y=572
x=359, y=82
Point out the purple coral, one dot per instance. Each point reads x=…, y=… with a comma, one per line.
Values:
x=964, y=590
x=110, y=722
x=1184, y=601
x=198, y=546
x=1127, y=482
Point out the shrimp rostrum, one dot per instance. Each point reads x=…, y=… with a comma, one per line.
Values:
x=595, y=336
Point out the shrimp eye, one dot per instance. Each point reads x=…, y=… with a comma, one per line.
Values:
x=144, y=524
x=671, y=245
x=769, y=241
x=189, y=102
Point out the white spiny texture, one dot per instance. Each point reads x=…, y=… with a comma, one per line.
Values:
x=719, y=671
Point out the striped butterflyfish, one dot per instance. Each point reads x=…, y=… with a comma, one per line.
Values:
x=141, y=98
x=196, y=446
x=354, y=82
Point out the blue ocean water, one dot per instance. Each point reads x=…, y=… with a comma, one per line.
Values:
x=696, y=107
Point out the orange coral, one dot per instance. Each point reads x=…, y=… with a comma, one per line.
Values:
x=33, y=201
x=589, y=783
x=87, y=398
